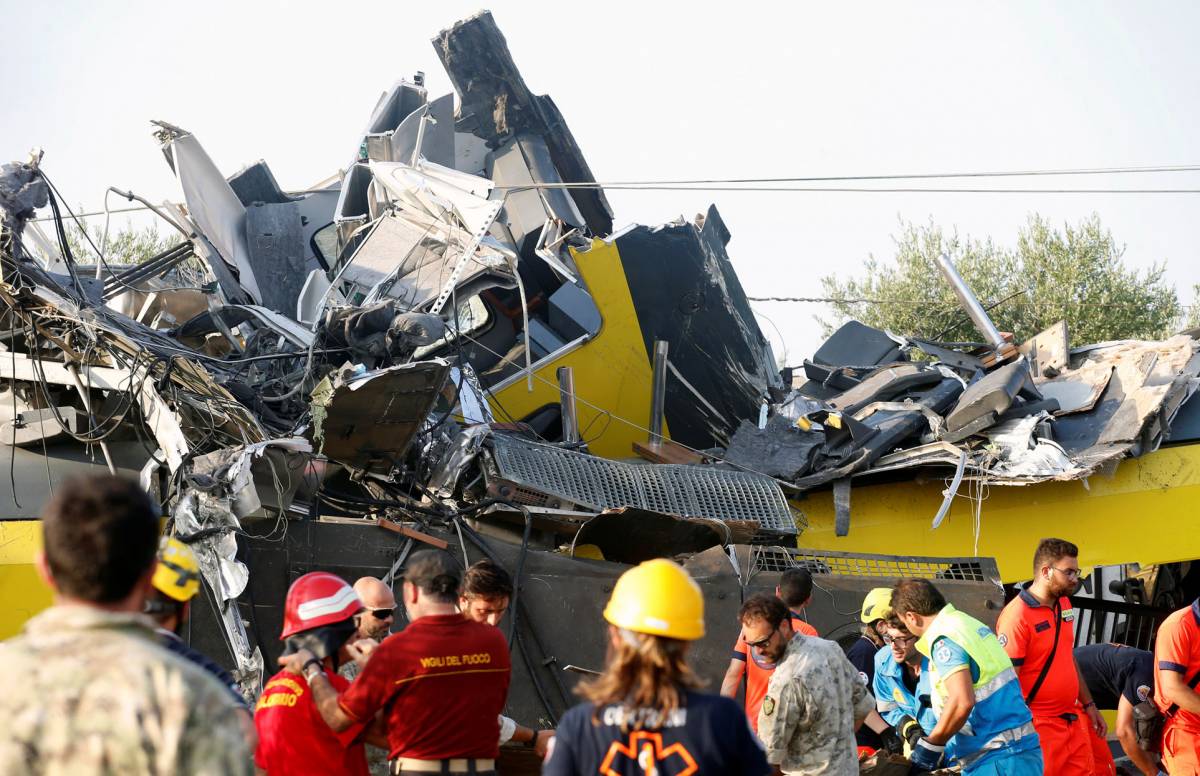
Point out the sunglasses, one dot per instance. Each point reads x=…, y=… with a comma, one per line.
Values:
x=903, y=641
x=763, y=642
x=382, y=614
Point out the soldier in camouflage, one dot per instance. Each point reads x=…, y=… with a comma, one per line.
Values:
x=95, y=693
x=815, y=700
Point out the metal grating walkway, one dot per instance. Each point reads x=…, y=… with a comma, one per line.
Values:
x=599, y=484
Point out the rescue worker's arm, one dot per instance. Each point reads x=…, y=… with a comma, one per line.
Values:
x=737, y=667
x=884, y=704
x=960, y=700
x=733, y=678
x=1174, y=687
x=1172, y=650
x=325, y=697
x=1089, y=706
x=779, y=717
x=326, y=700
x=1127, y=734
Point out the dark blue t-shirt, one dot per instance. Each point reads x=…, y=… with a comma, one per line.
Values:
x=179, y=647
x=709, y=735
x=862, y=655
x=1113, y=670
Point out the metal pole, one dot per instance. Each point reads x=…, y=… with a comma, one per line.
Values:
x=967, y=299
x=566, y=400
x=658, y=398
x=87, y=405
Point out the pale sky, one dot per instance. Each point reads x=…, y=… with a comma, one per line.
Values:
x=657, y=91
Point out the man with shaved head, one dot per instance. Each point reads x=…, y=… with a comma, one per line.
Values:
x=379, y=608
x=373, y=623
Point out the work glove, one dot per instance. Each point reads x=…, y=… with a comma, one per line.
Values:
x=891, y=741
x=926, y=756
x=910, y=730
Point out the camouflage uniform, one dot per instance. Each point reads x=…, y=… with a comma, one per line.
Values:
x=813, y=702
x=92, y=692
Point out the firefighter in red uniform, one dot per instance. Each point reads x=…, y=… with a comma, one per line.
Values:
x=1176, y=677
x=441, y=682
x=1037, y=630
x=318, y=620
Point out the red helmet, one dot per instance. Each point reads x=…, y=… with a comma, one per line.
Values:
x=315, y=599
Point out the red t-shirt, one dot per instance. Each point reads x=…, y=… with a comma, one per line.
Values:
x=292, y=737
x=1177, y=648
x=1026, y=631
x=758, y=671
x=444, y=681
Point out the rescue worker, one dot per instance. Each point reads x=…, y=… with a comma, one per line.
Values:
x=1119, y=677
x=982, y=720
x=486, y=591
x=318, y=620
x=644, y=714
x=92, y=690
x=875, y=609
x=795, y=590
x=1176, y=675
x=903, y=694
x=1037, y=630
x=815, y=700
x=372, y=623
x=441, y=682
x=176, y=581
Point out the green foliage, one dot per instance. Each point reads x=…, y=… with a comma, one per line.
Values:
x=127, y=245
x=1192, y=319
x=1076, y=274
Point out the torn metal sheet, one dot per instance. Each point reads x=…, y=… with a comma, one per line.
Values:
x=496, y=104
x=543, y=475
x=1079, y=391
x=1047, y=352
x=213, y=205
x=368, y=420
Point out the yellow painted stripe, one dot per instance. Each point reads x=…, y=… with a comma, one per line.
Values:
x=452, y=673
x=612, y=371
x=1146, y=512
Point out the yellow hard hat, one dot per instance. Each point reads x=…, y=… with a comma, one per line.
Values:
x=877, y=605
x=659, y=598
x=178, y=574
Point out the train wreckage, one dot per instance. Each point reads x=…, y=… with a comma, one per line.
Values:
x=448, y=343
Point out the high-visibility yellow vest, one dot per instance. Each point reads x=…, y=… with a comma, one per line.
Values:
x=979, y=642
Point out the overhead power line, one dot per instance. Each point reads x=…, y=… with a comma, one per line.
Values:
x=764, y=184
x=929, y=302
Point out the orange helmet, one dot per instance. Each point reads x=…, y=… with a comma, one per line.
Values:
x=315, y=599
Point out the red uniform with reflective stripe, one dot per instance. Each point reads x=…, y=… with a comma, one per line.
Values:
x=1177, y=648
x=1026, y=629
x=444, y=681
x=292, y=737
x=758, y=672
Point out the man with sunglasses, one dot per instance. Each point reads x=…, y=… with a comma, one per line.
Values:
x=815, y=700
x=795, y=590
x=1037, y=630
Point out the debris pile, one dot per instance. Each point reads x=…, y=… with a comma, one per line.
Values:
x=340, y=352
x=870, y=402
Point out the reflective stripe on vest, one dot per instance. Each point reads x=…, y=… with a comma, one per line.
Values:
x=980, y=644
x=998, y=741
